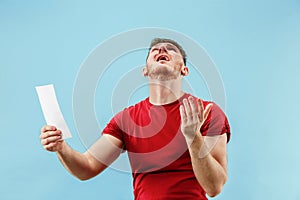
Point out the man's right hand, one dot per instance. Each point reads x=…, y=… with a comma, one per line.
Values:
x=82, y=165
x=51, y=138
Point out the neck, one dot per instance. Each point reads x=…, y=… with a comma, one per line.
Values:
x=164, y=92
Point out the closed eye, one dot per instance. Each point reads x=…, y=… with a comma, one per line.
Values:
x=171, y=49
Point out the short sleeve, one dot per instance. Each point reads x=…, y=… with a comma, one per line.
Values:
x=216, y=123
x=113, y=127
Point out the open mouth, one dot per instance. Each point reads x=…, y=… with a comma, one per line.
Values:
x=162, y=57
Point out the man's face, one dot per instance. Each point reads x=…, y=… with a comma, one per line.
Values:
x=164, y=62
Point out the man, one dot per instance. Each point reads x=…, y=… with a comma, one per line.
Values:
x=176, y=143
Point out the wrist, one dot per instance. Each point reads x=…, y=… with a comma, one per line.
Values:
x=198, y=147
x=196, y=142
x=62, y=148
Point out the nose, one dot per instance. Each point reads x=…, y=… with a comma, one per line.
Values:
x=162, y=49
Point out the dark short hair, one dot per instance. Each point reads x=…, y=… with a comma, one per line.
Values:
x=156, y=41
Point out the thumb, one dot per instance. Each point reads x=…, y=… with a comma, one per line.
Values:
x=207, y=111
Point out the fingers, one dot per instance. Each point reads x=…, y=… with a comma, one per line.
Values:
x=189, y=109
x=203, y=113
x=207, y=111
x=50, y=137
x=193, y=107
x=182, y=113
x=52, y=146
x=200, y=108
x=48, y=128
x=47, y=134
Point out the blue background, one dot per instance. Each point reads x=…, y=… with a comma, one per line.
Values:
x=255, y=45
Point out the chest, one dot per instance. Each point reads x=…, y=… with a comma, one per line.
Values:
x=153, y=139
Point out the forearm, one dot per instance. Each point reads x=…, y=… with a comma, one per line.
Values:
x=76, y=163
x=83, y=166
x=210, y=174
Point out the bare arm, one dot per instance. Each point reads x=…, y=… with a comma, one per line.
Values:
x=208, y=153
x=210, y=165
x=82, y=165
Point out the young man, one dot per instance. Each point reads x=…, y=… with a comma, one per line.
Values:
x=176, y=143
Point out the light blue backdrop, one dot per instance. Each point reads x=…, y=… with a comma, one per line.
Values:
x=255, y=45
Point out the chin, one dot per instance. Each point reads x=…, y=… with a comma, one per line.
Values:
x=162, y=72
x=164, y=76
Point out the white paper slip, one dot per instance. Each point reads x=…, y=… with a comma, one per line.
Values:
x=51, y=110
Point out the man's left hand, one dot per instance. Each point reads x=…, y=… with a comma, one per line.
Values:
x=193, y=115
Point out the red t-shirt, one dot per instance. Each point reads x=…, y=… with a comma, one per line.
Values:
x=158, y=153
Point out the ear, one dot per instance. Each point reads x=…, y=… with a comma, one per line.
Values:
x=145, y=71
x=184, y=71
